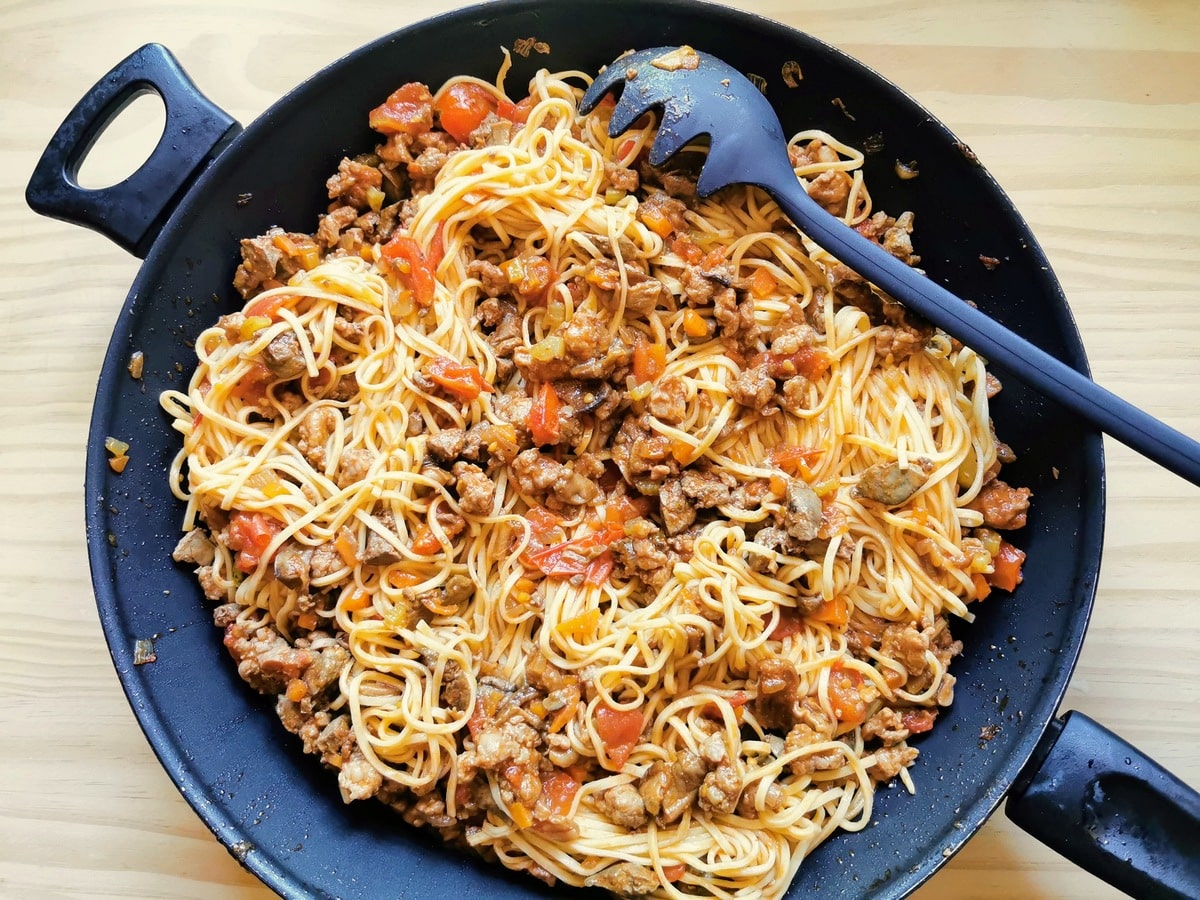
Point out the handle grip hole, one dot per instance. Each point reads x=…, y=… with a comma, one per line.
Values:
x=125, y=143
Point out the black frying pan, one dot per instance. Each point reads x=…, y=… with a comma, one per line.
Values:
x=1068, y=781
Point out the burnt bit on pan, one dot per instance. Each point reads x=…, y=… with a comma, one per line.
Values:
x=143, y=652
x=837, y=101
x=967, y=153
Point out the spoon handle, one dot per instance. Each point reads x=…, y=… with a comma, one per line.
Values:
x=1133, y=427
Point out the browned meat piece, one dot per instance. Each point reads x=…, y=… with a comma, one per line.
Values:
x=898, y=343
x=603, y=274
x=194, y=547
x=284, y=357
x=1002, y=506
x=535, y=474
x=659, y=206
x=794, y=394
x=493, y=131
x=447, y=444
x=668, y=400
x=886, y=725
x=849, y=288
x=774, y=704
x=643, y=456
x=354, y=466
x=644, y=553
x=502, y=317
x=348, y=331
x=645, y=296
x=456, y=686
x=514, y=408
x=585, y=336
x=264, y=264
x=624, y=806
x=620, y=178
x=491, y=276
x=754, y=387
x=815, y=151
x=735, y=317
x=804, y=735
x=334, y=223
x=476, y=491
x=831, y=189
x=721, y=789
x=212, y=588
x=890, y=760
x=697, y=290
x=669, y=789
x=705, y=488
x=232, y=325
x=776, y=540
x=677, y=511
x=353, y=183
x=291, y=565
x=326, y=561
x=381, y=551
x=226, y=614
x=865, y=632
x=313, y=433
x=428, y=163
x=265, y=660
x=992, y=386
x=748, y=804
x=326, y=669
x=907, y=646
x=891, y=485
x=625, y=880
x=802, y=511
x=507, y=742
x=897, y=239
x=358, y=779
x=678, y=185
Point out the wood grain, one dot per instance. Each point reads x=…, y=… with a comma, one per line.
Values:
x=1087, y=112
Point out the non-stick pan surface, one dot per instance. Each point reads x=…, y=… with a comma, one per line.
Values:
x=278, y=810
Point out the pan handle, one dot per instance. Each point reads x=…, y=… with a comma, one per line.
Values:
x=1110, y=809
x=131, y=212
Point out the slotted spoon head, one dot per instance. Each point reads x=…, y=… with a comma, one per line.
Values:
x=697, y=94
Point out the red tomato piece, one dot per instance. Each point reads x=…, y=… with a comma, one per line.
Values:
x=544, y=424
x=252, y=386
x=619, y=730
x=918, y=721
x=1006, y=566
x=515, y=112
x=845, y=696
x=250, y=534
x=599, y=569
x=790, y=623
x=462, y=381
x=462, y=106
x=406, y=257
x=409, y=110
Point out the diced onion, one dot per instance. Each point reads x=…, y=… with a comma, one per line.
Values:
x=116, y=447
x=547, y=349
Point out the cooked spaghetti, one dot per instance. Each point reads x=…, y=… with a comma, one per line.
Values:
x=611, y=531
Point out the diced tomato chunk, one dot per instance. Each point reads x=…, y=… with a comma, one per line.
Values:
x=250, y=534
x=462, y=107
x=1006, y=565
x=620, y=730
x=409, y=110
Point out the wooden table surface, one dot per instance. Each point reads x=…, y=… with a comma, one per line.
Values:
x=1087, y=112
